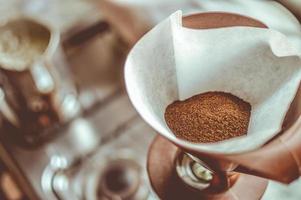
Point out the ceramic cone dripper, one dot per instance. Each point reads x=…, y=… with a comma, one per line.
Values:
x=172, y=62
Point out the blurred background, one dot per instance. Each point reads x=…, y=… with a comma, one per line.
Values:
x=67, y=128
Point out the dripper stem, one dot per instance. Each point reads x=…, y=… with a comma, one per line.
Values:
x=200, y=176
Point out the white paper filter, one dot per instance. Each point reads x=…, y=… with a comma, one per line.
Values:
x=172, y=62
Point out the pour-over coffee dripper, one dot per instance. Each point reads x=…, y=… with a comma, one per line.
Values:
x=178, y=171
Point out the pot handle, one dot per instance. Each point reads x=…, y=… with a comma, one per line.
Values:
x=81, y=34
x=279, y=160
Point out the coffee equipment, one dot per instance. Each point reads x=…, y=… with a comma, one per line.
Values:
x=38, y=94
x=91, y=154
x=178, y=170
x=70, y=163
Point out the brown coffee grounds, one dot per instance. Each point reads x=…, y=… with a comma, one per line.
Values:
x=208, y=117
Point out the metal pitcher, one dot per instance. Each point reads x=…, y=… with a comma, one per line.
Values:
x=36, y=90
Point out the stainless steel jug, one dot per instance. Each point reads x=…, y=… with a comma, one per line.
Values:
x=40, y=94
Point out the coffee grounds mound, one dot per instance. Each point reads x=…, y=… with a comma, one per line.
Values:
x=209, y=117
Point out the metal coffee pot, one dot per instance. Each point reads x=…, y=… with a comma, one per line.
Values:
x=39, y=95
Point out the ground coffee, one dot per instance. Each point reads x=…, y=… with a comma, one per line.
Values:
x=208, y=117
